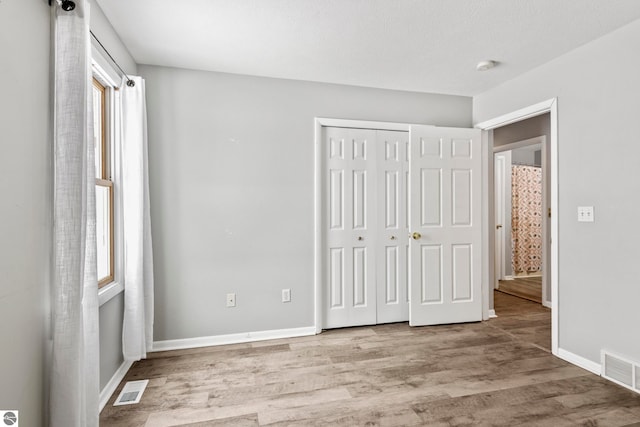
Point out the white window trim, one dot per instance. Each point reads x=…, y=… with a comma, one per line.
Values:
x=109, y=78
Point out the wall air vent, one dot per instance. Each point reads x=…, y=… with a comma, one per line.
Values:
x=131, y=393
x=621, y=371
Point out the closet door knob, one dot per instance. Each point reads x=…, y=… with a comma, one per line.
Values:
x=393, y=237
x=498, y=227
x=416, y=235
x=360, y=238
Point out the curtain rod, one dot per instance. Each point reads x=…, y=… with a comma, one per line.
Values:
x=68, y=6
x=130, y=82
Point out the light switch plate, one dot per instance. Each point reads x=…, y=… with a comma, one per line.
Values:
x=585, y=214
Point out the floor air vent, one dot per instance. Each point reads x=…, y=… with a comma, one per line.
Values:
x=131, y=393
x=621, y=371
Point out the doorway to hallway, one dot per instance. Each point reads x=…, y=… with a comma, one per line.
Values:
x=521, y=240
x=509, y=124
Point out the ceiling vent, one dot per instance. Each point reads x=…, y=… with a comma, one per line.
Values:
x=621, y=371
x=131, y=393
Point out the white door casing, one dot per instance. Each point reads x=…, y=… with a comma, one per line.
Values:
x=546, y=224
x=445, y=212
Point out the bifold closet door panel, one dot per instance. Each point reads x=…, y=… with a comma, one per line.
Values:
x=350, y=227
x=393, y=226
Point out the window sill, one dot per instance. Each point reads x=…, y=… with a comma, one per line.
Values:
x=109, y=291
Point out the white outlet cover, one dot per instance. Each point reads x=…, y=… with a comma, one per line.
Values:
x=231, y=300
x=286, y=295
x=585, y=214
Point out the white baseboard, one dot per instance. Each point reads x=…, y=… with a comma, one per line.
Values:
x=580, y=361
x=492, y=314
x=232, y=338
x=508, y=278
x=112, y=385
x=547, y=304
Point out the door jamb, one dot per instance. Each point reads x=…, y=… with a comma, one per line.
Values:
x=549, y=106
x=499, y=251
x=319, y=123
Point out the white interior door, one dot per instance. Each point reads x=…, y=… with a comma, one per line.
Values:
x=350, y=292
x=393, y=226
x=445, y=215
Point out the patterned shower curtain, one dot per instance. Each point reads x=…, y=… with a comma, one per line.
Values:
x=526, y=218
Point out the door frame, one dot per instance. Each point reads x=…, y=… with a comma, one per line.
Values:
x=499, y=202
x=319, y=246
x=549, y=106
x=542, y=142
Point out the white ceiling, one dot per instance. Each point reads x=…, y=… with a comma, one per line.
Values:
x=415, y=45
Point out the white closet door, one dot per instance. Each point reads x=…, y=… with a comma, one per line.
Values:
x=393, y=226
x=445, y=186
x=350, y=291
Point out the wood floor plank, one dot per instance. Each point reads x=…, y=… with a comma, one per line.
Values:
x=494, y=373
x=245, y=407
x=527, y=287
x=249, y=420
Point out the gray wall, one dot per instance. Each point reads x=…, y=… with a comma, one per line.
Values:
x=527, y=157
x=25, y=204
x=102, y=29
x=598, y=92
x=231, y=171
x=519, y=131
x=111, y=358
x=111, y=312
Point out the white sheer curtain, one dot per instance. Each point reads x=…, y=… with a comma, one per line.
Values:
x=137, y=334
x=75, y=347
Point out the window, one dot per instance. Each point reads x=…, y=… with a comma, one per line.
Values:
x=104, y=187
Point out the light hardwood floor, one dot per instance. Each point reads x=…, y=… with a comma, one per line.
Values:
x=524, y=287
x=494, y=373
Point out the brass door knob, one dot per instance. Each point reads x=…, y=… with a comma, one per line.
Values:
x=416, y=235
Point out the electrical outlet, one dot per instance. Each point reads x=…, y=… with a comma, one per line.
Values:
x=286, y=295
x=231, y=300
x=585, y=214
